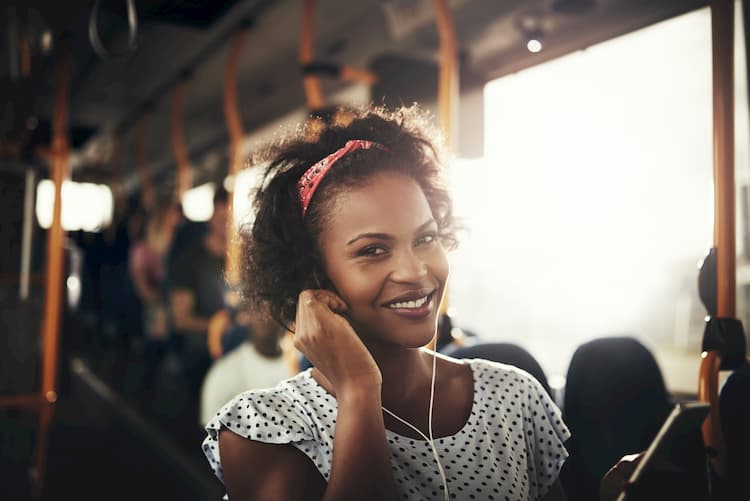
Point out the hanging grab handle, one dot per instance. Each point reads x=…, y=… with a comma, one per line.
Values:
x=95, y=39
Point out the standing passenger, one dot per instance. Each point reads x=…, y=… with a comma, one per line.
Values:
x=258, y=362
x=148, y=273
x=197, y=290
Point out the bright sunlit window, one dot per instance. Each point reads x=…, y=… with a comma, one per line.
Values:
x=594, y=202
x=85, y=206
x=245, y=184
x=198, y=202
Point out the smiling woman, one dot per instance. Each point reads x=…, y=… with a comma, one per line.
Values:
x=349, y=246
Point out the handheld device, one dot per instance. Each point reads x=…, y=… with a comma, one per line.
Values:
x=668, y=446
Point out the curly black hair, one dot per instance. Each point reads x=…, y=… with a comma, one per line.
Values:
x=281, y=255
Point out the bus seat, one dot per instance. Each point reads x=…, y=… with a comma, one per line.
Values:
x=506, y=353
x=734, y=405
x=615, y=401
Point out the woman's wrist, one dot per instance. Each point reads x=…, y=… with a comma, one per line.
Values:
x=360, y=391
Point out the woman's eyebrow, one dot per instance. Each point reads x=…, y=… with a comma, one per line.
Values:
x=424, y=225
x=386, y=236
x=379, y=236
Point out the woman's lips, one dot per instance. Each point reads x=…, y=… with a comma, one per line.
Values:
x=413, y=308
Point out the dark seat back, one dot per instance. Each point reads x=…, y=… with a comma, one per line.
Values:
x=734, y=402
x=615, y=402
x=505, y=353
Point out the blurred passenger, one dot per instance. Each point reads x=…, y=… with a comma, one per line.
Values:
x=197, y=290
x=148, y=273
x=258, y=362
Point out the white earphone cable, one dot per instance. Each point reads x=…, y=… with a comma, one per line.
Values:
x=429, y=439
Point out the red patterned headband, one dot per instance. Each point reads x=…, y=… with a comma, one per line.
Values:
x=312, y=177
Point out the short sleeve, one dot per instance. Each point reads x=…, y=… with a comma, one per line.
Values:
x=546, y=434
x=271, y=416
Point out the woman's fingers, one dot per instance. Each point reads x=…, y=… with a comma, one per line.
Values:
x=615, y=480
x=328, y=340
x=328, y=298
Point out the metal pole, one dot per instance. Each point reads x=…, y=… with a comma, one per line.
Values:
x=53, y=292
x=448, y=81
x=722, y=37
x=28, y=218
x=234, y=125
x=448, y=86
x=310, y=82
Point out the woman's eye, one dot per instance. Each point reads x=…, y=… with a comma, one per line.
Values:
x=372, y=250
x=426, y=239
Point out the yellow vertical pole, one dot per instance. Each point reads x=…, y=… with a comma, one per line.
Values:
x=448, y=77
x=311, y=83
x=448, y=85
x=54, y=266
x=234, y=126
x=722, y=38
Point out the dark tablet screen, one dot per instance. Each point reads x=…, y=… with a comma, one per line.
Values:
x=674, y=447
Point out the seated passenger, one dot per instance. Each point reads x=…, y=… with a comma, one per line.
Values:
x=258, y=362
x=349, y=245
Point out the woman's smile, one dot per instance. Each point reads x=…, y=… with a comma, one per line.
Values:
x=415, y=305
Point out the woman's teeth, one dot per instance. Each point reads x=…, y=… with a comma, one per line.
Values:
x=409, y=304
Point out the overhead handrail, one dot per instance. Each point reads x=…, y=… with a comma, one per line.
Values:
x=95, y=39
x=313, y=69
x=220, y=320
x=177, y=133
x=233, y=121
x=339, y=71
x=448, y=77
x=310, y=81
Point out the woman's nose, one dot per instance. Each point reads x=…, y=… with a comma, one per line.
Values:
x=409, y=267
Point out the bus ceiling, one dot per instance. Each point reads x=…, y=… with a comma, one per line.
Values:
x=128, y=57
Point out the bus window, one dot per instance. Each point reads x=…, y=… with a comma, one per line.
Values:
x=593, y=203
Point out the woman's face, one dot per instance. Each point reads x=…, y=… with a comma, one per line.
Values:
x=382, y=254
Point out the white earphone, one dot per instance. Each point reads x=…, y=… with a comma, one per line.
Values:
x=430, y=440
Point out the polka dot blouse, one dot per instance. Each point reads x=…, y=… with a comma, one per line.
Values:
x=511, y=447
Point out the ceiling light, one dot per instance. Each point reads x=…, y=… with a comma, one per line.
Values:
x=534, y=45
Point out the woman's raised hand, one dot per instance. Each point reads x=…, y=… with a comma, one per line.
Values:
x=328, y=340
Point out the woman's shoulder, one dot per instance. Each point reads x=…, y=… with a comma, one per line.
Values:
x=278, y=413
x=490, y=376
x=284, y=414
x=487, y=369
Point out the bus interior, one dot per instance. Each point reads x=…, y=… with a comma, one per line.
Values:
x=599, y=164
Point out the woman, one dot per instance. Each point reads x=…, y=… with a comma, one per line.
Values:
x=349, y=245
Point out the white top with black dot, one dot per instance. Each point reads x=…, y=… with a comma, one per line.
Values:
x=511, y=447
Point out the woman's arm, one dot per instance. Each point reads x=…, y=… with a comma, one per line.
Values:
x=256, y=470
x=361, y=463
x=361, y=467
